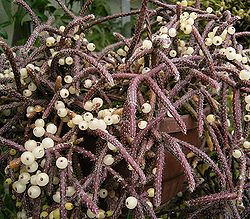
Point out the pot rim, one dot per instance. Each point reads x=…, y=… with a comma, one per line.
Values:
x=170, y=125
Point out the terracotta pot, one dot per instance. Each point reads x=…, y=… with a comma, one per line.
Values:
x=173, y=177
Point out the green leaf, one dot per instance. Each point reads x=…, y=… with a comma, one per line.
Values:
x=7, y=8
x=4, y=35
x=6, y=23
x=26, y=18
x=129, y=214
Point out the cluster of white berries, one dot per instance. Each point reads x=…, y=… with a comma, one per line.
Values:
x=217, y=40
x=231, y=55
x=7, y=73
x=70, y=191
x=186, y=21
x=145, y=108
x=36, y=181
x=39, y=129
x=122, y=52
x=34, y=151
x=26, y=80
x=86, y=121
x=94, y=104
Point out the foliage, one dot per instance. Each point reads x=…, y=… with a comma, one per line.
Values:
x=84, y=130
x=101, y=35
x=239, y=8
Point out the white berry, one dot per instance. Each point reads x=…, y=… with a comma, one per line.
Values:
x=210, y=118
x=39, y=123
x=115, y=119
x=193, y=15
x=163, y=30
x=32, y=168
x=87, y=83
x=68, y=79
x=70, y=191
x=42, y=179
x=111, y=147
x=19, y=187
x=236, y=153
x=83, y=125
x=27, y=93
x=131, y=202
x=51, y=128
x=246, y=144
x=231, y=30
x=101, y=124
x=159, y=19
x=38, y=152
x=88, y=116
x=247, y=118
x=23, y=73
x=24, y=178
x=64, y=93
x=77, y=119
x=217, y=40
x=209, y=10
x=34, y=192
x=88, y=105
x=50, y=41
x=47, y=143
x=172, y=32
x=69, y=60
x=27, y=158
x=244, y=75
x=30, y=145
x=142, y=124
x=62, y=162
x=62, y=112
x=146, y=108
x=32, y=86
x=59, y=104
x=91, y=47
x=147, y=44
x=90, y=214
x=97, y=102
x=61, y=61
x=108, y=120
x=151, y=192
x=108, y=160
x=103, y=193
x=172, y=53
x=56, y=197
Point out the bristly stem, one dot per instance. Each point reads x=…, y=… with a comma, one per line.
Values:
x=33, y=16
x=13, y=62
x=159, y=174
x=138, y=28
x=222, y=196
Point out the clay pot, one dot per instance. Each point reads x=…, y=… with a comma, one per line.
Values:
x=173, y=177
